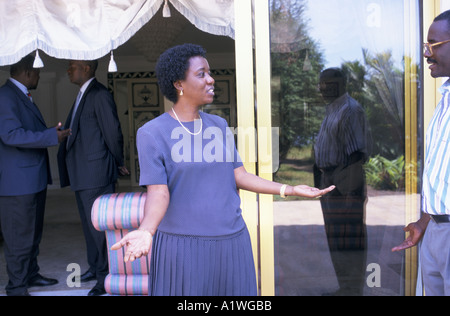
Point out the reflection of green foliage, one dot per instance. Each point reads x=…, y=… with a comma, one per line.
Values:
x=296, y=64
x=292, y=174
x=388, y=82
x=385, y=87
x=378, y=86
x=384, y=174
x=298, y=108
x=297, y=169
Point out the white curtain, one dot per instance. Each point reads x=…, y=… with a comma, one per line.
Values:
x=90, y=29
x=212, y=16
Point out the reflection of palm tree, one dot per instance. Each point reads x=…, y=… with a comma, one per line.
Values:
x=389, y=84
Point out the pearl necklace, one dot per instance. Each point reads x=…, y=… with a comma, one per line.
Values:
x=187, y=130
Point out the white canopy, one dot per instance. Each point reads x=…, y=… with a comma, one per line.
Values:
x=90, y=29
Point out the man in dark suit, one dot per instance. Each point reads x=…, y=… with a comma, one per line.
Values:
x=91, y=159
x=24, y=176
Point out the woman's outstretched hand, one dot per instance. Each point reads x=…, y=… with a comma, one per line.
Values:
x=138, y=243
x=310, y=192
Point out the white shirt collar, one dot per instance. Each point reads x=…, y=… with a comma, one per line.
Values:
x=19, y=85
x=85, y=85
x=445, y=87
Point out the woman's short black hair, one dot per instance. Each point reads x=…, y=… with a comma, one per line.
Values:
x=172, y=66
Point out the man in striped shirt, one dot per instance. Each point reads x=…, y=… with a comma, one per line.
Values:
x=341, y=148
x=434, y=224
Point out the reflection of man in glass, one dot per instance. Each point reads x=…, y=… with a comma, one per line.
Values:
x=341, y=149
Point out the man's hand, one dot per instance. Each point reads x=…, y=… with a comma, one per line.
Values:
x=123, y=171
x=62, y=134
x=416, y=232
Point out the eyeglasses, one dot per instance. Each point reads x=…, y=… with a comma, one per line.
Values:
x=428, y=48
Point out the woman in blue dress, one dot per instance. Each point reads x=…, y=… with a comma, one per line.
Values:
x=192, y=218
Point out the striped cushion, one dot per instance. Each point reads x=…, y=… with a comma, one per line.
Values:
x=117, y=214
x=125, y=285
x=118, y=211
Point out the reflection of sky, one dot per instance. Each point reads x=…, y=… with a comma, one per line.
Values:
x=344, y=27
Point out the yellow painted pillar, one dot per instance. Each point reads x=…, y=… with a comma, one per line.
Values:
x=264, y=132
x=412, y=208
x=246, y=112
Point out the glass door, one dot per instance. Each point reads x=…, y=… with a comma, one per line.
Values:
x=344, y=95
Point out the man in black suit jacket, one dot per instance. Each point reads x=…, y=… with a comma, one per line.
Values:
x=24, y=176
x=91, y=159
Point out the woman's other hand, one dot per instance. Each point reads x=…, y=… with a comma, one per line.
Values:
x=138, y=243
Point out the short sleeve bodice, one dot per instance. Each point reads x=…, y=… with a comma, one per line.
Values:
x=198, y=170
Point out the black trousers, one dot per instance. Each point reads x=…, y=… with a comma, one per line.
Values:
x=22, y=221
x=344, y=216
x=97, y=252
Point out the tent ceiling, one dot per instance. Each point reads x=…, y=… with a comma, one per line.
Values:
x=91, y=29
x=161, y=33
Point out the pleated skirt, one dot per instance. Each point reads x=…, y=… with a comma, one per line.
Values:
x=202, y=266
